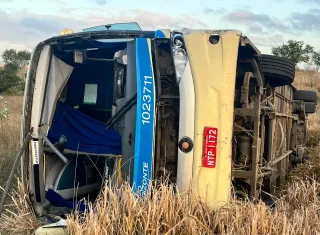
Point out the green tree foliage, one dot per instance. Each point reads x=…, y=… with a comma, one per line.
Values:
x=8, y=79
x=316, y=59
x=296, y=51
x=15, y=60
x=14, y=72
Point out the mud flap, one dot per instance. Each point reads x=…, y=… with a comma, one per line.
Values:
x=145, y=122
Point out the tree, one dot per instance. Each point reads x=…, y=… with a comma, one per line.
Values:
x=15, y=60
x=296, y=51
x=14, y=72
x=316, y=59
x=8, y=79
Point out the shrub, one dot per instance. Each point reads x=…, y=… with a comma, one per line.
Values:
x=8, y=79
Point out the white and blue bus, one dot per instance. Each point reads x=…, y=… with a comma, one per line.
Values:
x=116, y=103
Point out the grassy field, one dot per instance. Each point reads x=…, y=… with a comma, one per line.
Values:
x=296, y=211
x=9, y=135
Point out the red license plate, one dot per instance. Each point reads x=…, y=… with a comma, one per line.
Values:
x=209, y=155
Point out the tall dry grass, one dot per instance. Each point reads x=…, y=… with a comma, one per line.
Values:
x=307, y=80
x=310, y=80
x=19, y=217
x=164, y=212
x=9, y=135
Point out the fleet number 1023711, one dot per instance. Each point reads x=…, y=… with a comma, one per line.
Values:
x=147, y=99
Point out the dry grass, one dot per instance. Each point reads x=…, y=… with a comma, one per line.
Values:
x=9, y=135
x=10, y=127
x=307, y=80
x=310, y=80
x=9, y=144
x=164, y=212
x=19, y=218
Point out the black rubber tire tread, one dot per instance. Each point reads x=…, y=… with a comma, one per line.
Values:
x=279, y=67
x=310, y=107
x=282, y=71
x=282, y=65
x=270, y=60
x=305, y=95
x=281, y=59
x=277, y=71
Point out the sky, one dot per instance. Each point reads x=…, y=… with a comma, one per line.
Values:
x=268, y=23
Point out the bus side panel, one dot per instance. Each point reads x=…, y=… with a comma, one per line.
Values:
x=145, y=121
x=214, y=73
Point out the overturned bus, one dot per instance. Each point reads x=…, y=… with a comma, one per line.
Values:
x=202, y=108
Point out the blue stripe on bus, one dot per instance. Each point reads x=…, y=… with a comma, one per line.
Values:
x=159, y=34
x=144, y=138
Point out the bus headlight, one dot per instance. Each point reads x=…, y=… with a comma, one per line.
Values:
x=180, y=56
